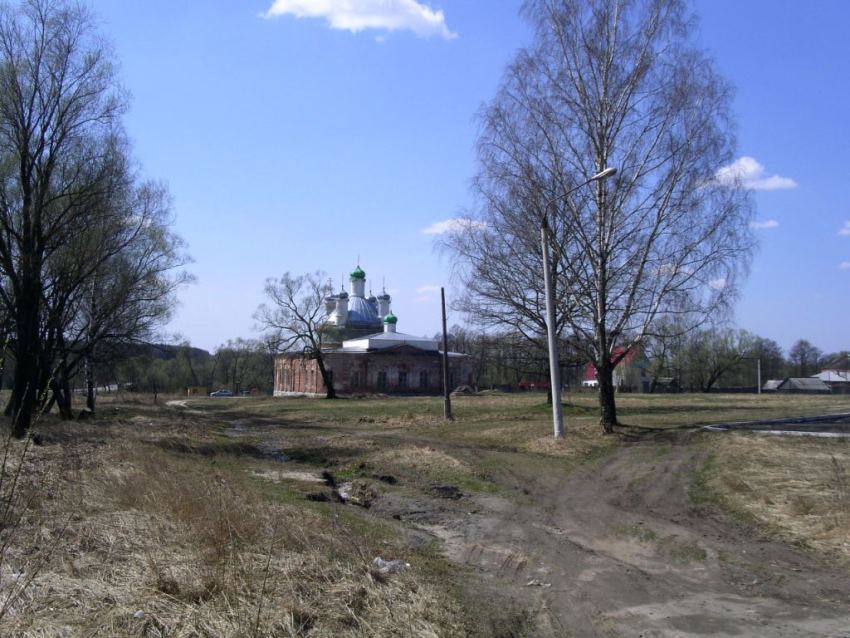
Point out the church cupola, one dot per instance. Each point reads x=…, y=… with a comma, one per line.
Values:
x=358, y=282
x=389, y=322
x=341, y=314
x=383, y=304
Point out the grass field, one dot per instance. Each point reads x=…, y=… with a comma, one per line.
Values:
x=210, y=517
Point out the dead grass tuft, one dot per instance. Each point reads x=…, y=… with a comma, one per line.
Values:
x=419, y=458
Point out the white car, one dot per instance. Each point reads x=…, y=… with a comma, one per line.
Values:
x=590, y=383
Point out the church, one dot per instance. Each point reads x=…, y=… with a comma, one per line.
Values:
x=365, y=352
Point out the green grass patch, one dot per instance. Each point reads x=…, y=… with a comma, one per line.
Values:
x=636, y=531
x=700, y=491
x=686, y=552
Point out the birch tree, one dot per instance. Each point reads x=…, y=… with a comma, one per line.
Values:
x=606, y=83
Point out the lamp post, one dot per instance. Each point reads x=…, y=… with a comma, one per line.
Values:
x=554, y=367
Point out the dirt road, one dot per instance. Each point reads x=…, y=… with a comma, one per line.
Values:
x=618, y=549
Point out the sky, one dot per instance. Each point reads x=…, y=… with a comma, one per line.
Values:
x=301, y=135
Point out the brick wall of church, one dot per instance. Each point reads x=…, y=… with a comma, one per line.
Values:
x=373, y=372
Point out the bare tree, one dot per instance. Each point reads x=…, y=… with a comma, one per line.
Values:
x=709, y=354
x=69, y=200
x=122, y=291
x=804, y=357
x=606, y=83
x=296, y=316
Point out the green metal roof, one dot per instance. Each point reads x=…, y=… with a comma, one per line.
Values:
x=358, y=273
x=391, y=318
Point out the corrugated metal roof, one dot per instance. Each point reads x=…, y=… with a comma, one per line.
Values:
x=807, y=384
x=833, y=376
x=382, y=340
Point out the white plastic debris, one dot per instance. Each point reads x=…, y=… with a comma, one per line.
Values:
x=389, y=566
x=344, y=491
x=139, y=614
x=536, y=583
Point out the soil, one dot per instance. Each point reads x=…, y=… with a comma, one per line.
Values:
x=617, y=548
x=614, y=547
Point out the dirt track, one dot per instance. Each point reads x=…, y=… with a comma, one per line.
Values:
x=618, y=549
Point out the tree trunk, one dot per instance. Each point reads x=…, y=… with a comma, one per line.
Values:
x=26, y=385
x=90, y=395
x=61, y=388
x=607, y=405
x=62, y=400
x=331, y=393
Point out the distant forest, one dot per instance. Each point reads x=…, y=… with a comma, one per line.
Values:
x=700, y=361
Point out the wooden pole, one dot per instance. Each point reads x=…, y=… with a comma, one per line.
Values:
x=447, y=399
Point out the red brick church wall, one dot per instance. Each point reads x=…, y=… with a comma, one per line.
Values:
x=355, y=373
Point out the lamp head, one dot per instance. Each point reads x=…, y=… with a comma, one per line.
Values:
x=608, y=172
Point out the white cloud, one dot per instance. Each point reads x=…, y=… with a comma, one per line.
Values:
x=358, y=15
x=423, y=299
x=768, y=223
x=845, y=229
x=667, y=270
x=424, y=290
x=751, y=174
x=845, y=265
x=717, y=284
x=456, y=225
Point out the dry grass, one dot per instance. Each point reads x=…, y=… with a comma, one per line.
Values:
x=120, y=535
x=420, y=459
x=158, y=545
x=797, y=487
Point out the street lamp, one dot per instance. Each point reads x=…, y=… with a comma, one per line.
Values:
x=554, y=368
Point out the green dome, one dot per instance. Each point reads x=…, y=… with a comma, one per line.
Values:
x=358, y=273
x=391, y=318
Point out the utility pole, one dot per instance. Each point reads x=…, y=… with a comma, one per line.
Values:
x=554, y=366
x=551, y=336
x=447, y=399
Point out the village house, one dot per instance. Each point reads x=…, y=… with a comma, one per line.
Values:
x=369, y=355
x=630, y=374
x=837, y=380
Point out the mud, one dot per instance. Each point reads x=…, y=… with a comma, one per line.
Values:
x=618, y=549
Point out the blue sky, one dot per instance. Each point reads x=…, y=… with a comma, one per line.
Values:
x=294, y=139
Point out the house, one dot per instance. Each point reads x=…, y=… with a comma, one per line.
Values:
x=837, y=380
x=388, y=362
x=772, y=385
x=664, y=385
x=804, y=385
x=526, y=385
x=630, y=374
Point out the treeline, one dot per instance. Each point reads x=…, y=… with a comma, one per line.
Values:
x=697, y=361
x=700, y=361
x=238, y=365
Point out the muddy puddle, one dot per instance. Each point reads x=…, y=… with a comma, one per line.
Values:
x=828, y=426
